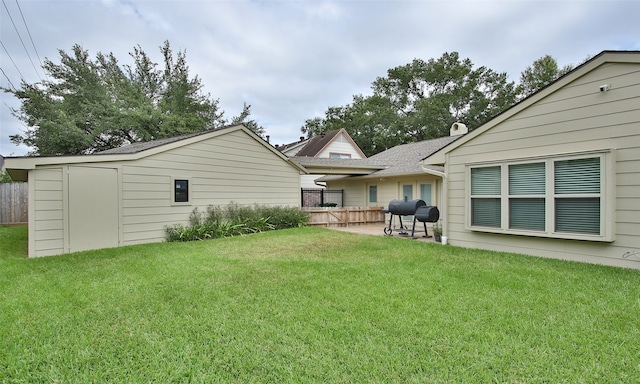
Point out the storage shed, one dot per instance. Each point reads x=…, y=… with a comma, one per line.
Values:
x=128, y=195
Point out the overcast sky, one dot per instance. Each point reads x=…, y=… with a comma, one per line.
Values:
x=291, y=60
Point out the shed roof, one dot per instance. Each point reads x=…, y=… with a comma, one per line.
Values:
x=18, y=166
x=144, y=145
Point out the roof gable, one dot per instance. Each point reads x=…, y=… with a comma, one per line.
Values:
x=438, y=157
x=319, y=143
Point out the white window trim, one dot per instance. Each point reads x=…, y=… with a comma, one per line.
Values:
x=607, y=197
x=172, y=192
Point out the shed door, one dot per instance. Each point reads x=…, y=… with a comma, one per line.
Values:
x=93, y=208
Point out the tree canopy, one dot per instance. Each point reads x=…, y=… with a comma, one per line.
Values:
x=541, y=73
x=422, y=99
x=88, y=105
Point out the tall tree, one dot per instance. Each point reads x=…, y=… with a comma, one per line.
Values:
x=93, y=105
x=541, y=73
x=419, y=101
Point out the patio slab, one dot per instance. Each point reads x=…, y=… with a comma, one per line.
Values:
x=377, y=229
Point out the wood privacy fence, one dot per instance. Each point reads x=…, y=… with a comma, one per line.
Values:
x=345, y=216
x=14, y=203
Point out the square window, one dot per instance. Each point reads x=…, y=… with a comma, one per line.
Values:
x=527, y=214
x=486, y=212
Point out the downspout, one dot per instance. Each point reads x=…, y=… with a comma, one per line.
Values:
x=443, y=194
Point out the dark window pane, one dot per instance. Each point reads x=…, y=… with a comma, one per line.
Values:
x=181, y=191
x=527, y=214
x=485, y=212
x=580, y=215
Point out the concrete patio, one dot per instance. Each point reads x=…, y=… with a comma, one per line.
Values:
x=377, y=229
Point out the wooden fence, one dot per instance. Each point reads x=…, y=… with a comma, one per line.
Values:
x=14, y=203
x=345, y=216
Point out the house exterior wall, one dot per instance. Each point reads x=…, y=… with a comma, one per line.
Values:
x=356, y=189
x=576, y=118
x=232, y=167
x=340, y=144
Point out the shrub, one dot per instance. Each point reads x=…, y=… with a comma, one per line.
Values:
x=234, y=220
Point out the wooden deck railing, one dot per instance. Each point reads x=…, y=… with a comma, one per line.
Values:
x=344, y=216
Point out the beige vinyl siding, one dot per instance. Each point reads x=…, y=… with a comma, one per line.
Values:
x=356, y=190
x=46, y=216
x=576, y=118
x=231, y=167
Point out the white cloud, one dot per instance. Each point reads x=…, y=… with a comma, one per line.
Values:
x=292, y=59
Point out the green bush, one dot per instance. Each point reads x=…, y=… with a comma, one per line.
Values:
x=235, y=220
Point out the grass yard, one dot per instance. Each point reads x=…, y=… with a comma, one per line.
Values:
x=312, y=305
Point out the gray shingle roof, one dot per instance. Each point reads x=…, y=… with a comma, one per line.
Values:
x=397, y=161
x=404, y=159
x=144, y=145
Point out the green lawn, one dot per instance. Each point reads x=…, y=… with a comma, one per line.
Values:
x=313, y=305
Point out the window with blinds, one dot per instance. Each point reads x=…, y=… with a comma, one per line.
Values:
x=559, y=197
x=486, y=208
x=527, y=196
x=577, y=189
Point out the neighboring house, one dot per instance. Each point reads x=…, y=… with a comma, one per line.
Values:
x=558, y=174
x=392, y=174
x=292, y=149
x=128, y=195
x=331, y=145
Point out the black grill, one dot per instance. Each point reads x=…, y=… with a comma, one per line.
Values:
x=416, y=208
x=427, y=214
x=405, y=207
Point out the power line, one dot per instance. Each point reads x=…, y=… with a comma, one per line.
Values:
x=20, y=37
x=13, y=87
x=11, y=58
x=30, y=37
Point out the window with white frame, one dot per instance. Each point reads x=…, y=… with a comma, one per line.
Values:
x=556, y=197
x=336, y=155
